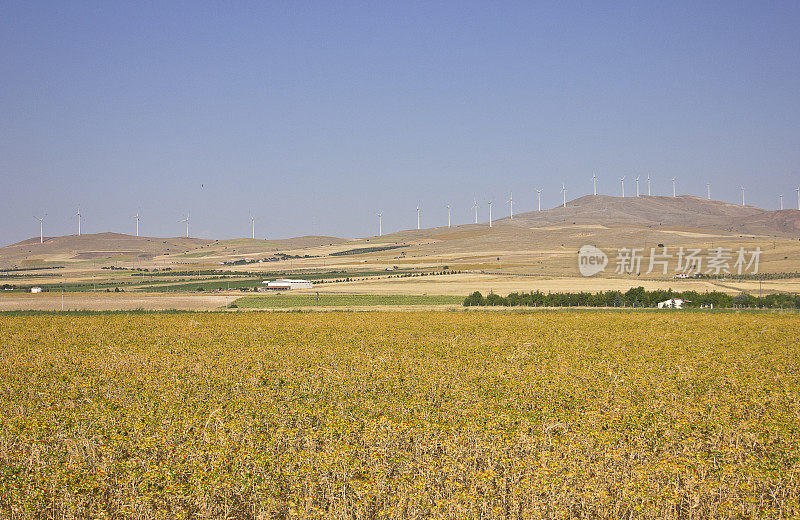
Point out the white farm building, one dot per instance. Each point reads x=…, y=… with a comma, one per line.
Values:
x=674, y=303
x=285, y=284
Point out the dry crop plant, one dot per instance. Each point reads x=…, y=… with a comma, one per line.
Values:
x=400, y=415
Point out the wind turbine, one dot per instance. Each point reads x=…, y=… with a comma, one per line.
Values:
x=798, y=197
x=622, y=180
x=781, y=196
x=674, y=179
x=511, y=201
x=648, y=184
x=742, y=188
x=708, y=190
x=594, y=182
x=539, y=199
x=637, y=186
x=78, y=214
x=41, y=228
x=380, y=224
x=417, y=216
x=448, y=215
x=564, y=192
x=490, y=213
x=475, y=207
x=253, y=223
x=136, y=217
x=187, y=224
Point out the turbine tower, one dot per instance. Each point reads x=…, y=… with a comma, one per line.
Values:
x=674, y=179
x=798, y=197
x=648, y=184
x=187, y=224
x=490, y=213
x=637, y=186
x=511, y=201
x=418, y=216
x=622, y=180
x=708, y=190
x=742, y=188
x=253, y=223
x=41, y=228
x=380, y=224
x=136, y=217
x=564, y=193
x=78, y=214
x=448, y=215
x=475, y=207
x=781, y=196
x=539, y=199
x=594, y=182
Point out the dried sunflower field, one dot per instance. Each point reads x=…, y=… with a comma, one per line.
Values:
x=578, y=414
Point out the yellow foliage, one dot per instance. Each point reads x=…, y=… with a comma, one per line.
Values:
x=400, y=415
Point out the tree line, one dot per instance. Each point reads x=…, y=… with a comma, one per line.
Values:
x=635, y=297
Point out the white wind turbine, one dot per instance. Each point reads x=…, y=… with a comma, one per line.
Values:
x=742, y=188
x=448, y=215
x=564, y=193
x=490, y=213
x=594, y=182
x=798, y=197
x=708, y=190
x=648, y=184
x=781, y=196
x=637, y=186
x=136, y=217
x=253, y=224
x=511, y=202
x=78, y=214
x=622, y=180
x=475, y=207
x=41, y=227
x=380, y=224
x=187, y=224
x=539, y=199
x=417, y=216
x=674, y=179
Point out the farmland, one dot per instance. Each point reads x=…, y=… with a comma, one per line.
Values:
x=276, y=301
x=400, y=415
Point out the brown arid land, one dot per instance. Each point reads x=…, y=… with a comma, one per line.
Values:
x=533, y=251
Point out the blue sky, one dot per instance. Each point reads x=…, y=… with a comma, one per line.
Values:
x=315, y=116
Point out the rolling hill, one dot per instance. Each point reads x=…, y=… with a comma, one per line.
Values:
x=598, y=219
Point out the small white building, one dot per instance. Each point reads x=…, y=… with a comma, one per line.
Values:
x=285, y=284
x=674, y=303
x=36, y=289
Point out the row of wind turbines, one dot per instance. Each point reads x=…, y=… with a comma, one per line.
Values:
x=136, y=217
x=510, y=200
x=80, y=217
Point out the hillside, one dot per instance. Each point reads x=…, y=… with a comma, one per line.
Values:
x=104, y=247
x=603, y=220
x=666, y=212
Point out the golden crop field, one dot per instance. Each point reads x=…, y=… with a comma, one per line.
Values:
x=400, y=415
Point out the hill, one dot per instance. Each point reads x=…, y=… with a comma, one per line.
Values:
x=666, y=212
x=105, y=247
x=603, y=220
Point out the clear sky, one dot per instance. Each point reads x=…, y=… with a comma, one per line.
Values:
x=314, y=116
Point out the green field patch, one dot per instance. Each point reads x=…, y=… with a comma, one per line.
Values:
x=282, y=301
x=200, y=254
x=361, y=250
x=209, y=285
